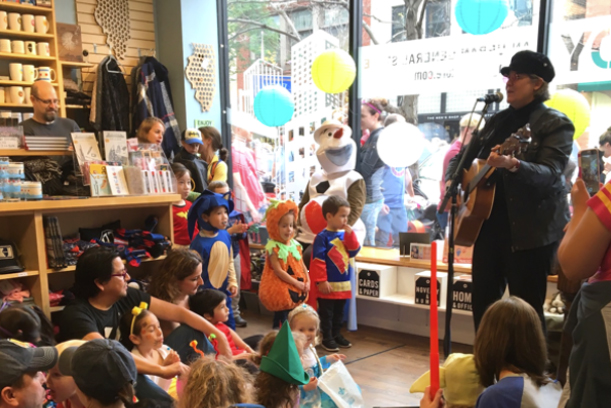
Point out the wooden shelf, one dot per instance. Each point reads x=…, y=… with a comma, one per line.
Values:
x=5, y=82
x=25, y=8
x=89, y=203
x=77, y=107
x=256, y=246
x=73, y=267
x=23, y=152
x=25, y=57
x=73, y=64
x=16, y=105
x=405, y=300
x=23, y=34
x=18, y=275
x=57, y=308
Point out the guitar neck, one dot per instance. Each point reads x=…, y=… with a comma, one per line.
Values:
x=483, y=174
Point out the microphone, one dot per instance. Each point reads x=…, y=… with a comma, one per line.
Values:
x=491, y=98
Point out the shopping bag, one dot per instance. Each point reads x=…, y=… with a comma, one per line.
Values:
x=339, y=385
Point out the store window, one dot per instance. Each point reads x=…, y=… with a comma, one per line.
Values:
x=275, y=43
x=424, y=67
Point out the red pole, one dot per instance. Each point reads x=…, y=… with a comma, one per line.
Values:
x=434, y=324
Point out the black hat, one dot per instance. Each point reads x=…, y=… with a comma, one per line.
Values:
x=532, y=63
x=100, y=368
x=18, y=358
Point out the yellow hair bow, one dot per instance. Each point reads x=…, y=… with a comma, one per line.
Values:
x=135, y=313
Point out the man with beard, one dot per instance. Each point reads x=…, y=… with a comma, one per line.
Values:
x=45, y=121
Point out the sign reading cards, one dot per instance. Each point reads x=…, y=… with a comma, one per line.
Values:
x=581, y=50
x=441, y=64
x=369, y=283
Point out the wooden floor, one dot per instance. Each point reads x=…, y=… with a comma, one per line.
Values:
x=383, y=363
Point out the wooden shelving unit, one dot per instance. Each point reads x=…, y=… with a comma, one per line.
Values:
x=50, y=37
x=23, y=152
x=4, y=82
x=73, y=64
x=22, y=223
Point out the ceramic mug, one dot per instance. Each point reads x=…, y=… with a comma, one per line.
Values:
x=28, y=23
x=42, y=24
x=3, y=20
x=17, y=95
x=2, y=100
x=45, y=74
x=14, y=21
x=27, y=91
x=18, y=47
x=5, y=45
x=42, y=49
x=30, y=47
x=29, y=73
x=16, y=71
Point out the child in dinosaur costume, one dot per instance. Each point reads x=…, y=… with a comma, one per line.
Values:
x=285, y=282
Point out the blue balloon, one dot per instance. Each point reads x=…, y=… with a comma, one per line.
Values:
x=274, y=106
x=480, y=17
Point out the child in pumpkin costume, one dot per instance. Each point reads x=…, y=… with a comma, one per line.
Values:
x=211, y=212
x=284, y=283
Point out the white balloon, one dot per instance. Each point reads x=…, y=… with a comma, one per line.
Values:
x=400, y=144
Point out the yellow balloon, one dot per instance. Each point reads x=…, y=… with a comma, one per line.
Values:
x=575, y=106
x=333, y=71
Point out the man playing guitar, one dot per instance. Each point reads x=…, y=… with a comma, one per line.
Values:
x=518, y=242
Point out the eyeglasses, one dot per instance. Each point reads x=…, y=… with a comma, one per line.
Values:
x=121, y=274
x=47, y=101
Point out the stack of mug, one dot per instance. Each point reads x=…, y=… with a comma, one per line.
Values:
x=28, y=23
x=20, y=95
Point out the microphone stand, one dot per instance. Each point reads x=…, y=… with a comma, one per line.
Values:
x=470, y=152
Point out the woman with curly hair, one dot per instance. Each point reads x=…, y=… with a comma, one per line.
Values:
x=178, y=278
x=216, y=384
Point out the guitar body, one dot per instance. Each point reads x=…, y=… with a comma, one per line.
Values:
x=476, y=205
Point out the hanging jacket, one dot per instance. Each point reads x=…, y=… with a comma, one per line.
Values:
x=154, y=98
x=110, y=98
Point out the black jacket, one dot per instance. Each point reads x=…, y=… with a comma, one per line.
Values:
x=536, y=194
x=196, y=166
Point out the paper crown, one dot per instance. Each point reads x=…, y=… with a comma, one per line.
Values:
x=459, y=379
x=207, y=201
x=283, y=360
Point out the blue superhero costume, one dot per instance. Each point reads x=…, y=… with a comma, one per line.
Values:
x=217, y=255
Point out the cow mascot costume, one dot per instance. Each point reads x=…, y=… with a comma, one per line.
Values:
x=337, y=157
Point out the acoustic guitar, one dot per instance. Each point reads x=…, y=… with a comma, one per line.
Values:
x=476, y=191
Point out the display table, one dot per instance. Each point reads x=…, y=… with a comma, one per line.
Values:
x=22, y=223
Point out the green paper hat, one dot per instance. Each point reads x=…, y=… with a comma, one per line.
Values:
x=283, y=360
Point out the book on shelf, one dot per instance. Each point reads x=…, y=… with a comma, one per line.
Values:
x=99, y=180
x=86, y=147
x=116, y=179
x=115, y=147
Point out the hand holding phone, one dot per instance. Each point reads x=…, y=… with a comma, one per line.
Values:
x=590, y=169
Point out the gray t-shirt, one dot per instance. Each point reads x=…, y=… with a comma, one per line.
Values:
x=59, y=127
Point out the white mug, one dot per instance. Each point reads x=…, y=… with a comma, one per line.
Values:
x=5, y=45
x=17, y=95
x=16, y=71
x=28, y=23
x=42, y=49
x=45, y=74
x=42, y=25
x=27, y=91
x=14, y=21
x=30, y=47
x=29, y=73
x=3, y=20
x=18, y=47
x=2, y=100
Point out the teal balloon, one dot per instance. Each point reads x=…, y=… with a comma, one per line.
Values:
x=481, y=17
x=274, y=106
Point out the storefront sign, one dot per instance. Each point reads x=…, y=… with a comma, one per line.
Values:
x=441, y=64
x=261, y=81
x=580, y=50
x=369, y=283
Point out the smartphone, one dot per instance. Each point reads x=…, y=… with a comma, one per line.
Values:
x=590, y=169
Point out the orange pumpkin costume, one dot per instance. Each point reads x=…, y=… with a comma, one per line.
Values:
x=275, y=294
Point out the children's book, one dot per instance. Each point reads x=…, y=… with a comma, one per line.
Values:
x=116, y=179
x=99, y=180
x=115, y=147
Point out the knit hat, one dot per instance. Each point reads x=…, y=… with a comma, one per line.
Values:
x=17, y=358
x=207, y=201
x=274, y=213
x=100, y=368
x=283, y=360
x=459, y=379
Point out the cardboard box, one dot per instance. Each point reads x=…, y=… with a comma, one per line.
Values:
x=422, y=282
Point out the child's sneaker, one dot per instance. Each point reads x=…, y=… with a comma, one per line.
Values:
x=330, y=345
x=342, y=342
